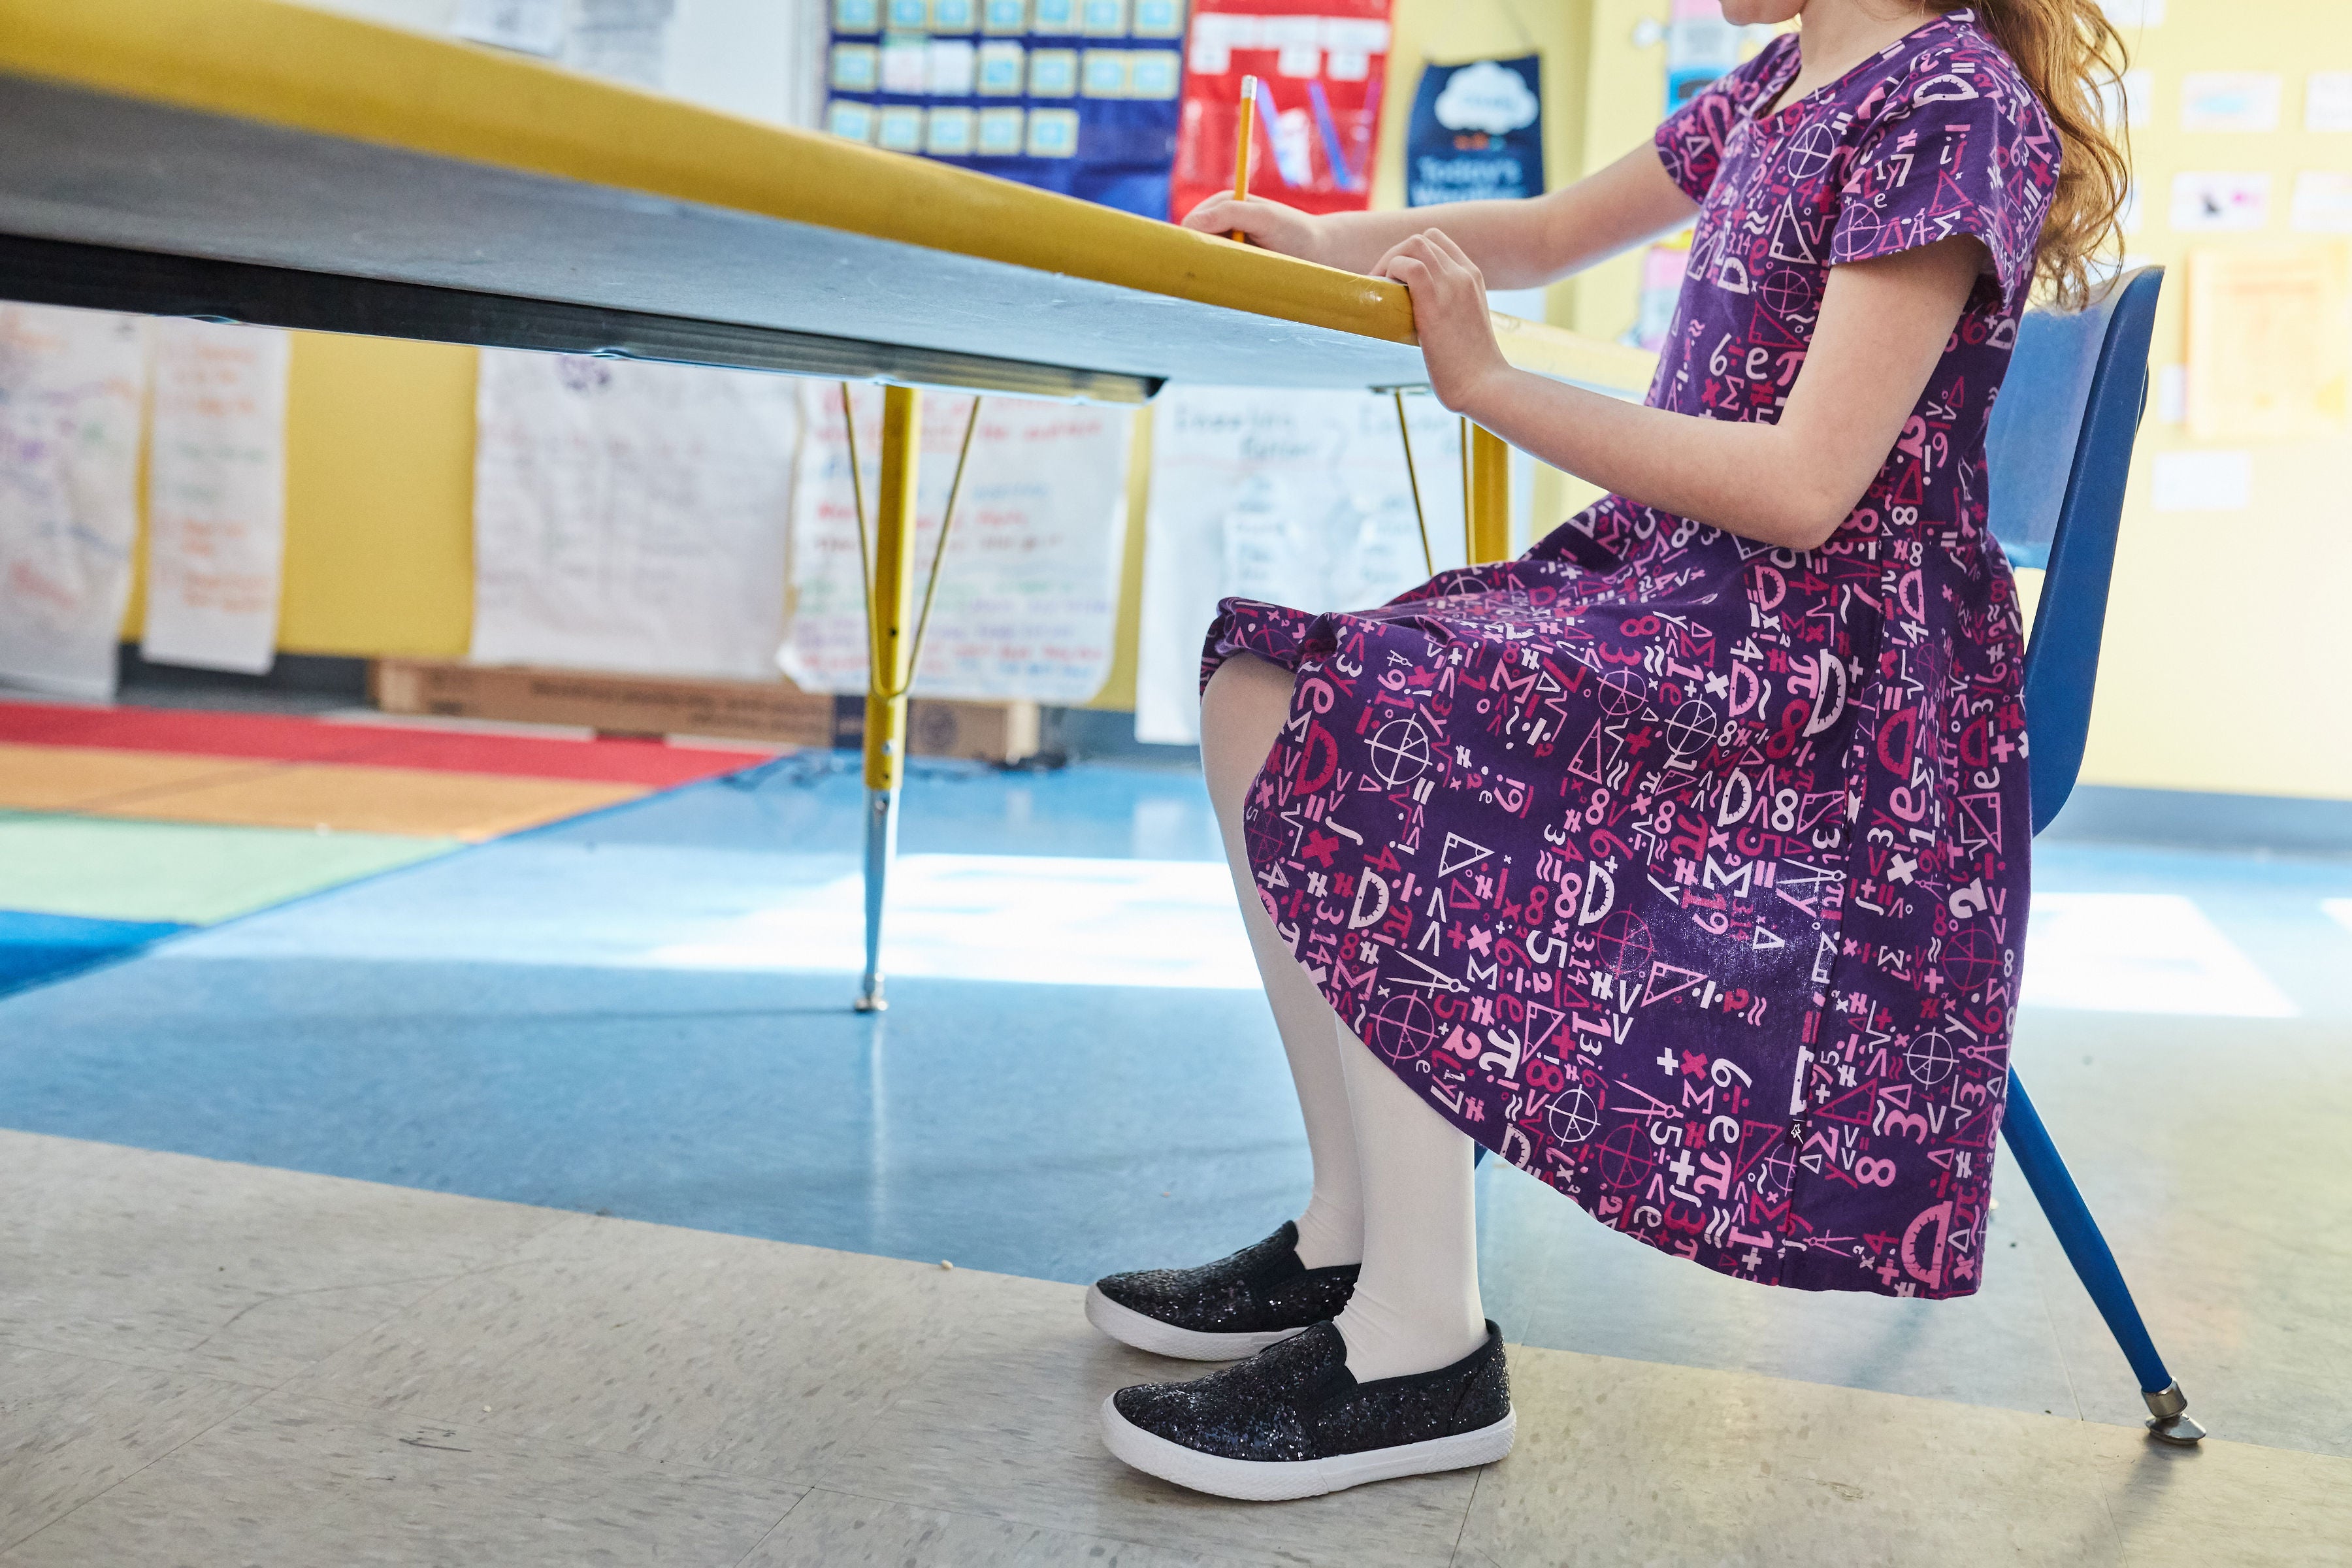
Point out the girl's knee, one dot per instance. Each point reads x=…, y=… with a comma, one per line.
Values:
x=1242, y=711
x=1246, y=686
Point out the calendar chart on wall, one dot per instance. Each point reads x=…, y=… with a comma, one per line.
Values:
x=1075, y=95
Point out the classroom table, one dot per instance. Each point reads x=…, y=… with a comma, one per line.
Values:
x=258, y=160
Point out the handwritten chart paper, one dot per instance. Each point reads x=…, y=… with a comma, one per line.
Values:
x=2220, y=202
x=533, y=26
x=1028, y=594
x=2322, y=202
x=71, y=384
x=1299, y=498
x=2269, y=342
x=216, y=496
x=2327, y=102
x=2125, y=102
x=2202, y=482
x=630, y=516
x=2229, y=101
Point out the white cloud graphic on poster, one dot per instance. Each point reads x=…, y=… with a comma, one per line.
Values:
x=1487, y=97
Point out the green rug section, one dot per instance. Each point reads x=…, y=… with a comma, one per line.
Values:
x=189, y=872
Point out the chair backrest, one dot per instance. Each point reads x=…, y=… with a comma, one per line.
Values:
x=2059, y=448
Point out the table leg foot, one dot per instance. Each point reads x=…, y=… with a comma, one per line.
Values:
x=881, y=849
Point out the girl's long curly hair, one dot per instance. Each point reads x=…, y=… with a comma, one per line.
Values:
x=2073, y=58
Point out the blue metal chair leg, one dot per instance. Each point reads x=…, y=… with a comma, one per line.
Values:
x=2086, y=1249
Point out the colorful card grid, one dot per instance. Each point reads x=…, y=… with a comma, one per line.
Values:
x=1052, y=73
x=1053, y=133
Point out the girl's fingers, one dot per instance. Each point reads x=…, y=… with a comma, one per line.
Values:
x=1412, y=246
x=1442, y=241
x=1454, y=260
x=1219, y=215
x=1205, y=216
x=1462, y=257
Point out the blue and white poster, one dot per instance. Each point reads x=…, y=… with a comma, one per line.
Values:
x=1477, y=133
x=1076, y=96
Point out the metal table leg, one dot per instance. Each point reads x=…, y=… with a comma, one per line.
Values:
x=1486, y=498
x=889, y=614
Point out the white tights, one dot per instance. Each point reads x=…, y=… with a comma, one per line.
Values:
x=1392, y=1177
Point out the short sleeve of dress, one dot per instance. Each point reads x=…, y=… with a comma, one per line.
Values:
x=1690, y=143
x=1963, y=147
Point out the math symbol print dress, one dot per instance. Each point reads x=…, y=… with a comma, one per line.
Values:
x=1686, y=873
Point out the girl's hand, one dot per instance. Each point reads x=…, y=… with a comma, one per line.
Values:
x=1449, y=314
x=1267, y=224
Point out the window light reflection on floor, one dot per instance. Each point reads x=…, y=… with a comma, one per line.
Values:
x=1047, y=921
x=1062, y=921
x=2141, y=952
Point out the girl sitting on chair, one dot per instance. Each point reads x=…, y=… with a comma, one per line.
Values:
x=1682, y=861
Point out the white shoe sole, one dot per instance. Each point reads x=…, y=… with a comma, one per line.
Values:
x=1261, y=1480
x=1130, y=1327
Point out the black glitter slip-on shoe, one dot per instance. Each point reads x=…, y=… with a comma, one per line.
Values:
x=1293, y=1422
x=1223, y=1310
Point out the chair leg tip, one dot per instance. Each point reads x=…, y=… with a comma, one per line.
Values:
x=2169, y=1421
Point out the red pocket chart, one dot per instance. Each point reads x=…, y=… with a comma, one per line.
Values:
x=1320, y=65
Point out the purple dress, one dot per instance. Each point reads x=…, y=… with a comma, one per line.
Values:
x=1686, y=873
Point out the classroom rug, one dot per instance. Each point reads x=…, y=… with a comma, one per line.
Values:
x=122, y=825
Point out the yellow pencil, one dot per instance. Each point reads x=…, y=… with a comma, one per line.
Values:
x=1242, y=143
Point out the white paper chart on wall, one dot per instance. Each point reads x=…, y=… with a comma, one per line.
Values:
x=216, y=496
x=626, y=40
x=71, y=386
x=630, y=516
x=1297, y=497
x=1028, y=594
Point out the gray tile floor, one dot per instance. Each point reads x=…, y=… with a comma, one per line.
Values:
x=207, y=1363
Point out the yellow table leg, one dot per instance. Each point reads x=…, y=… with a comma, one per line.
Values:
x=1487, y=522
x=889, y=616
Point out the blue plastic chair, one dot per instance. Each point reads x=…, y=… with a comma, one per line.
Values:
x=2060, y=447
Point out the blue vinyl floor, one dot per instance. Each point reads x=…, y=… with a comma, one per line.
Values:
x=35, y=946
x=645, y=1012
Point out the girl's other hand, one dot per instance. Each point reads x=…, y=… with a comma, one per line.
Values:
x=1268, y=224
x=1449, y=315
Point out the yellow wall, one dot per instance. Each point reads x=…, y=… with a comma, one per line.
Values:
x=1452, y=32
x=1117, y=693
x=2225, y=655
x=1623, y=99
x=2226, y=658
x=379, y=500
x=379, y=497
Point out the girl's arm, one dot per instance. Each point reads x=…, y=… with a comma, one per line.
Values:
x=1884, y=324
x=1517, y=244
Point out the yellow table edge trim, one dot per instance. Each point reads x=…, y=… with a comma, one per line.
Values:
x=286, y=65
